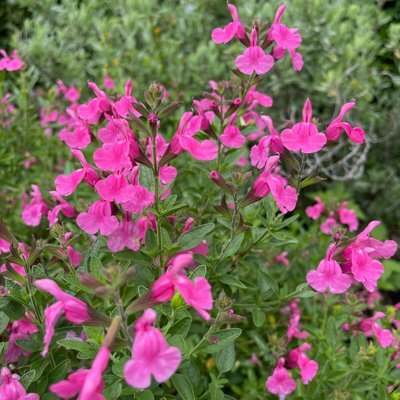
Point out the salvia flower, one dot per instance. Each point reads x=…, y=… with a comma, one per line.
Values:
x=12, y=389
x=197, y=293
x=284, y=195
x=75, y=310
x=10, y=63
x=337, y=126
x=329, y=275
x=286, y=39
x=280, y=382
x=298, y=358
x=361, y=257
x=88, y=383
x=233, y=29
x=151, y=354
x=370, y=327
x=254, y=59
x=20, y=329
x=304, y=136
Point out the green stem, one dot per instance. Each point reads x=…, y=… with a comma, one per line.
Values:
x=157, y=197
x=124, y=318
x=302, y=165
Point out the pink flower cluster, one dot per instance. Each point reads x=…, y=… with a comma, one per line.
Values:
x=254, y=59
x=353, y=262
x=342, y=214
x=281, y=382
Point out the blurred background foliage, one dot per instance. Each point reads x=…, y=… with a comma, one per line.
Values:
x=351, y=50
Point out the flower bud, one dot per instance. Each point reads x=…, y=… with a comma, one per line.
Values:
x=154, y=123
x=218, y=179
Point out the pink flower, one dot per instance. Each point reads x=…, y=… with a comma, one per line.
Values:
x=285, y=197
x=259, y=153
x=75, y=310
x=282, y=258
x=88, y=383
x=33, y=211
x=76, y=136
x=370, y=327
x=315, y=211
x=232, y=137
x=151, y=355
x=113, y=156
x=98, y=218
x=361, y=253
x=135, y=198
x=126, y=235
x=65, y=207
x=20, y=329
x=294, y=323
x=329, y=225
x=112, y=188
x=167, y=174
x=280, y=382
x=254, y=58
x=366, y=270
x=8, y=63
x=183, y=139
x=304, y=136
x=335, y=128
x=298, y=358
x=108, y=82
x=258, y=98
x=4, y=246
x=235, y=28
x=197, y=293
x=92, y=112
x=66, y=184
x=123, y=106
x=329, y=275
x=91, y=176
x=75, y=257
x=348, y=217
x=285, y=39
x=12, y=389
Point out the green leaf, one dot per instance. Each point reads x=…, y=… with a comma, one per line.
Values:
x=59, y=372
x=4, y=319
x=231, y=280
x=225, y=358
x=145, y=395
x=234, y=246
x=218, y=340
x=183, y=386
x=258, y=317
x=113, y=392
x=285, y=222
x=118, y=367
x=29, y=345
x=146, y=178
x=74, y=345
x=331, y=330
x=27, y=379
x=192, y=238
x=181, y=327
x=201, y=271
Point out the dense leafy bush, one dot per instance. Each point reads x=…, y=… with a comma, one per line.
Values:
x=178, y=255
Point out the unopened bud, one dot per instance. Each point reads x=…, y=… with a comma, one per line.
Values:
x=154, y=124
x=90, y=281
x=218, y=179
